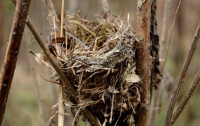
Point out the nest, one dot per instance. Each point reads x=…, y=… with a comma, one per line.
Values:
x=99, y=59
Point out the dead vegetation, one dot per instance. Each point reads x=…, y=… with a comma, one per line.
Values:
x=99, y=59
x=107, y=71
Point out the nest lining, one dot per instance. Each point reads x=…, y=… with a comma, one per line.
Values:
x=99, y=59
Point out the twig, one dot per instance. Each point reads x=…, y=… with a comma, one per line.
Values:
x=105, y=7
x=70, y=89
x=60, y=92
x=156, y=102
x=37, y=92
x=60, y=107
x=186, y=97
x=12, y=52
x=73, y=122
x=53, y=17
x=54, y=82
x=181, y=76
x=1, y=31
x=42, y=61
x=165, y=27
x=62, y=18
x=71, y=92
x=170, y=36
x=143, y=61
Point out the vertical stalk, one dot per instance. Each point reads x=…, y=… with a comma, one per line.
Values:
x=12, y=53
x=181, y=77
x=144, y=61
x=60, y=93
x=1, y=31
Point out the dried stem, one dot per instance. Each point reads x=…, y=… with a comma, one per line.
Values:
x=53, y=17
x=71, y=91
x=165, y=28
x=12, y=53
x=170, y=36
x=164, y=34
x=143, y=60
x=62, y=18
x=1, y=31
x=60, y=107
x=60, y=92
x=37, y=92
x=105, y=6
x=186, y=97
x=182, y=76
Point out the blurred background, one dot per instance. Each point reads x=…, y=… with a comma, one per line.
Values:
x=31, y=98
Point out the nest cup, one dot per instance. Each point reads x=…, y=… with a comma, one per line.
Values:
x=99, y=60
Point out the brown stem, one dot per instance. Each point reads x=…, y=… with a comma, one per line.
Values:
x=37, y=90
x=71, y=91
x=165, y=28
x=170, y=35
x=143, y=60
x=181, y=77
x=164, y=34
x=186, y=97
x=1, y=31
x=53, y=17
x=12, y=52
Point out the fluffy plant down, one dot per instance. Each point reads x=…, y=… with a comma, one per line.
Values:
x=99, y=60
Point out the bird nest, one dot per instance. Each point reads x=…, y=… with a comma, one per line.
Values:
x=99, y=60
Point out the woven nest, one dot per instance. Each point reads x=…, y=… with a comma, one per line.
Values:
x=99, y=60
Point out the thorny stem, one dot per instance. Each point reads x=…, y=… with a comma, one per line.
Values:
x=186, y=97
x=181, y=76
x=7, y=73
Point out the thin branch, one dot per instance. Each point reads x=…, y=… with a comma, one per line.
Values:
x=53, y=17
x=182, y=76
x=143, y=60
x=164, y=34
x=1, y=31
x=186, y=97
x=12, y=53
x=170, y=36
x=165, y=27
x=156, y=106
x=105, y=5
x=37, y=92
x=60, y=91
x=71, y=92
